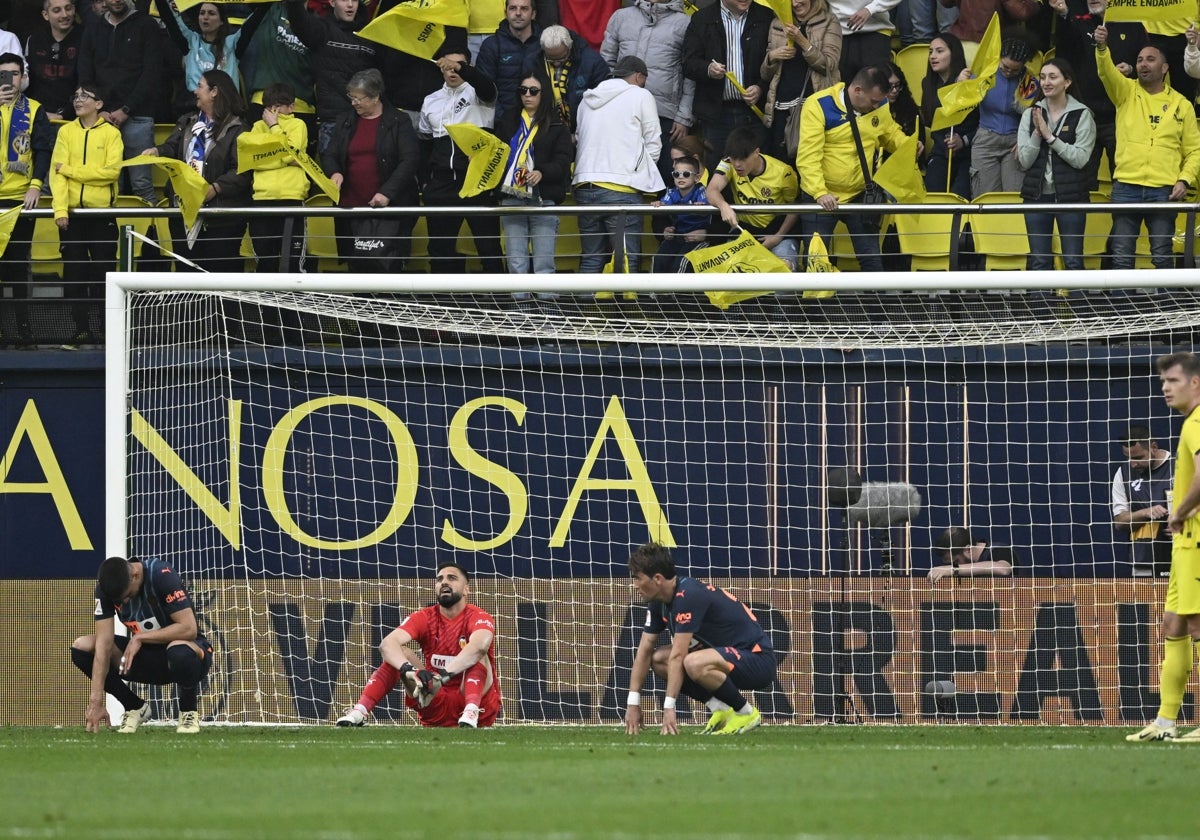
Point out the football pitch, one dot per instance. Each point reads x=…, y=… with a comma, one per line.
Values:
x=594, y=782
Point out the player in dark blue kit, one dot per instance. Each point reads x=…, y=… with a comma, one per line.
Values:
x=717, y=647
x=164, y=645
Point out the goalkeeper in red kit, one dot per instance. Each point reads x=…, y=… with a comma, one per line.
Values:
x=456, y=684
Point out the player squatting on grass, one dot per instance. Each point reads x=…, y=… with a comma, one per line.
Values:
x=164, y=645
x=1180, y=375
x=717, y=647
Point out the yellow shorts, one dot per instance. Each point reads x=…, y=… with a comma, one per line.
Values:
x=1183, y=589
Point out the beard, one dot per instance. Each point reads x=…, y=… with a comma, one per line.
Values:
x=449, y=599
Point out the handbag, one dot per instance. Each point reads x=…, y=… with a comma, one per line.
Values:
x=377, y=240
x=791, y=129
x=872, y=192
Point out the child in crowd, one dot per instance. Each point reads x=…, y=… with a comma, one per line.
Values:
x=279, y=181
x=84, y=168
x=687, y=230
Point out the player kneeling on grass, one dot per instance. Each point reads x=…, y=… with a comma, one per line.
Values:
x=164, y=645
x=457, y=685
x=717, y=647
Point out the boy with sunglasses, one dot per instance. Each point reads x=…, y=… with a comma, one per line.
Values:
x=687, y=230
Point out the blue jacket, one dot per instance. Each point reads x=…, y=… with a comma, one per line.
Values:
x=587, y=70
x=502, y=58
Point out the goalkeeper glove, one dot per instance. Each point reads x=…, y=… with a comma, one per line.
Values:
x=431, y=681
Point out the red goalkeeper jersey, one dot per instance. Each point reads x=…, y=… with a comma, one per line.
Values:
x=441, y=639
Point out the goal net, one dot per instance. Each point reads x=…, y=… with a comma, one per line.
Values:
x=307, y=451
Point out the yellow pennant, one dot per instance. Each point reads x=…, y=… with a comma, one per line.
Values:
x=900, y=176
x=781, y=8
x=488, y=155
x=987, y=57
x=255, y=150
x=743, y=255
x=8, y=220
x=189, y=186
x=738, y=87
x=819, y=263
x=416, y=27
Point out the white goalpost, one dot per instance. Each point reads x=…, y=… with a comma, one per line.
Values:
x=306, y=449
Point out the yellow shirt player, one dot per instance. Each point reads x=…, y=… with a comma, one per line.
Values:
x=1180, y=375
x=748, y=177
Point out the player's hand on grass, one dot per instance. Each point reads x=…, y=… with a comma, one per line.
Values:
x=97, y=714
x=670, y=725
x=633, y=720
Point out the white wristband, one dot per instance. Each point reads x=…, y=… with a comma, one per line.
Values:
x=635, y=698
x=668, y=703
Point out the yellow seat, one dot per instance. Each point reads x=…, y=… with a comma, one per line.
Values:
x=1001, y=237
x=926, y=237
x=913, y=60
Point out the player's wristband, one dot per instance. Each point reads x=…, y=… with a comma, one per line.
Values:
x=668, y=703
x=635, y=698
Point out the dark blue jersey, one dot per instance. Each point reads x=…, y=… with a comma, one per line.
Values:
x=162, y=593
x=715, y=618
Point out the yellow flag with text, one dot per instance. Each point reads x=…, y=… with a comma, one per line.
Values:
x=1141, y=11
x=961, y=98
x=255, y=149
x=742, y=255
x=900, y=176
x=189, y=186
x=8, y=220
x=488, y=155
x=416, y=27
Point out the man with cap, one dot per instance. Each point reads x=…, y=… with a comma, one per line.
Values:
x=963, y=555
x=617, y=149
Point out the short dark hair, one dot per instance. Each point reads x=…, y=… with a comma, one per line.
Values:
x=873, y=77
x=465, y=574
x=688, y=160
x=278, y=93
x=113, y=578
x=954, y=538
x=13, y=58
x=1188, y=361
x=1137, y=435
x=652, y=559
x=742, y=142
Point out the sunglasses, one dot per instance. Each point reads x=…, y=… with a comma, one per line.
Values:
x=529, y=91
x=676, y=173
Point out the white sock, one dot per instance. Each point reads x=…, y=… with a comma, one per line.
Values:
x=715, y=705
x=1163, y=723
x=745, y=710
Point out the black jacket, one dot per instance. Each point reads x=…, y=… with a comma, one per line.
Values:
x=399, y=154
x=704, y=42
x=234, y=189
x=337, y=54
x=125, y=60
x=553, y=154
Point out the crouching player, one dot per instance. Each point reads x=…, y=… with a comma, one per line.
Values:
x=457, y=685
x=164, y=645
x=717, y=647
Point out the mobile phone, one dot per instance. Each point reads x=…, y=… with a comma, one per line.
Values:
x=6, y=78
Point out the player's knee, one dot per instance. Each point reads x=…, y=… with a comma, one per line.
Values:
x=185, y=665
x=84, y=643
x=82, y=657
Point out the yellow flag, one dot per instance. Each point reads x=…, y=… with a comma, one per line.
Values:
x=738, y=87
x=184, y=5
x=189, y=186
x=256, y=149
x=690, y=7
x=743, y=255
x=1161, y=11
x=899, y=174
x=488, y=155
x=416, y=27
x=819, y=263
x=8, y=220
x=987, y=57
x=781, y=8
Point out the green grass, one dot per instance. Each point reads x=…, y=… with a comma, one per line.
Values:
x=590, y=782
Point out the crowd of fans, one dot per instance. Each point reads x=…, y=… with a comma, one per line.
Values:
x=657, y=101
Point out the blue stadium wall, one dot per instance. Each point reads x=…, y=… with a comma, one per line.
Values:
x=1019, y=437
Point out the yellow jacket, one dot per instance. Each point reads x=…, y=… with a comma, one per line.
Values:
x=827, y=159
x=1158, y=142
x=280, y=178
x=91, y=163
